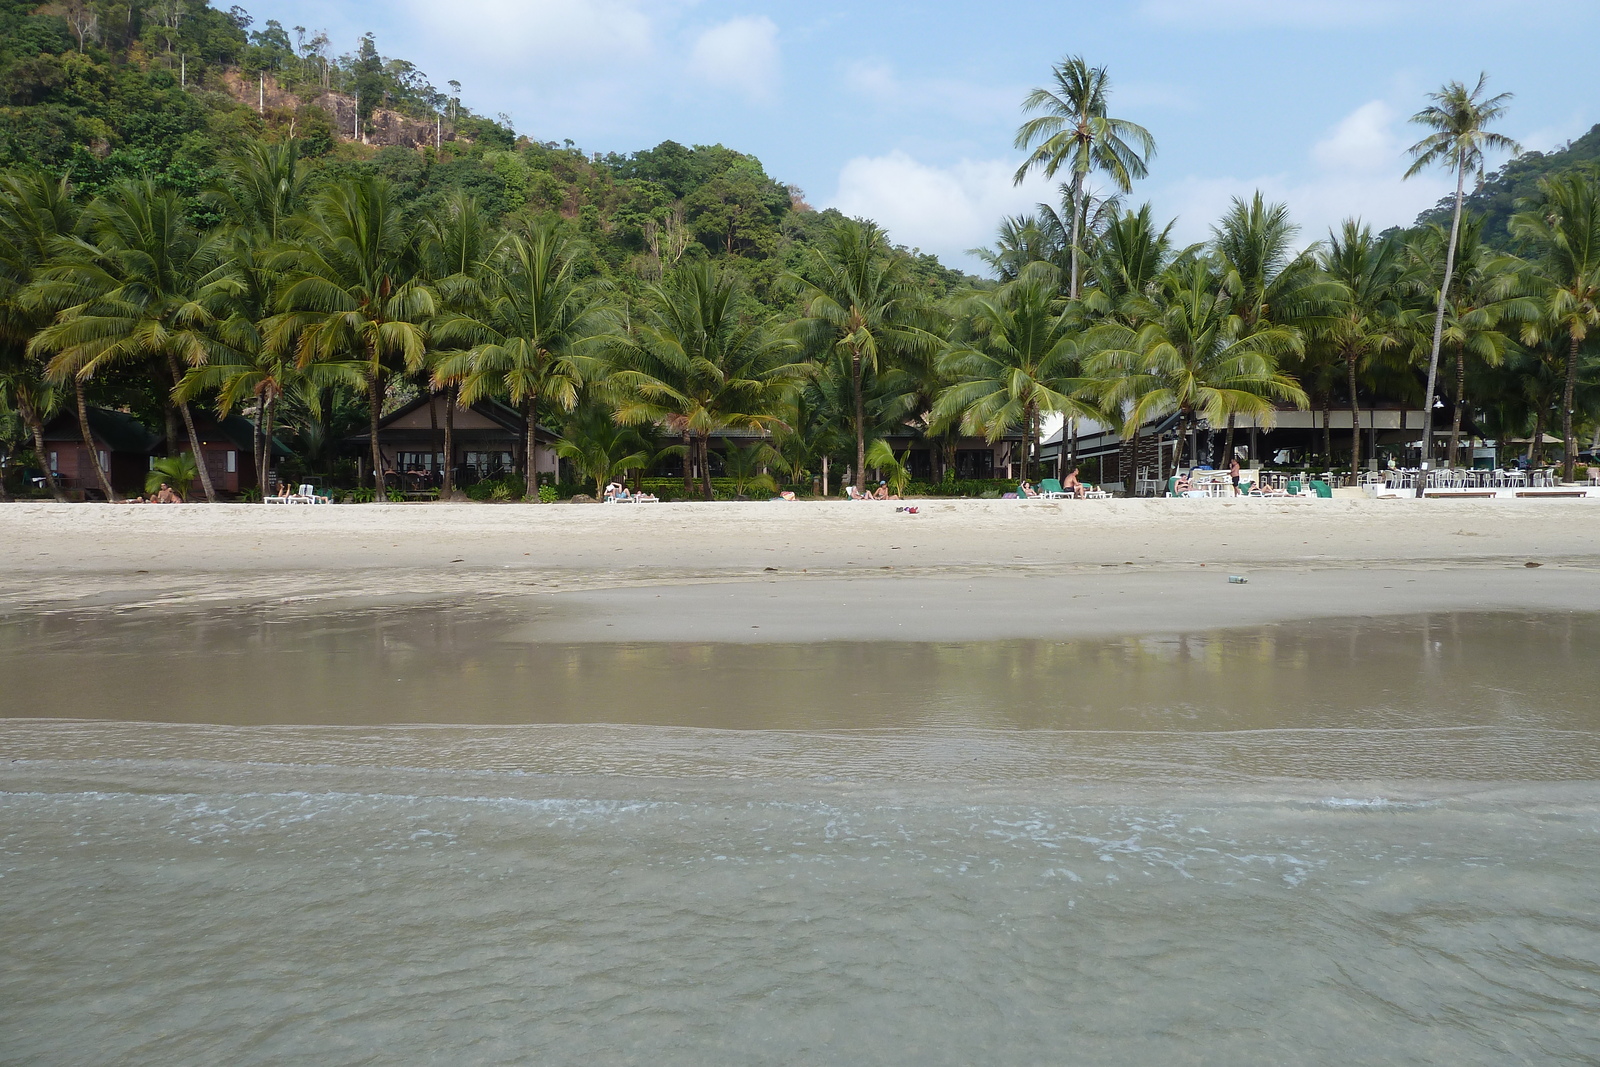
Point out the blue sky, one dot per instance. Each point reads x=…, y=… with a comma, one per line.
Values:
x=905, y=112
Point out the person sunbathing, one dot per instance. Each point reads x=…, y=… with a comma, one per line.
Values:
x=883, y=492
x=1026, y=491
x=1074, y=486
x=1183, y=485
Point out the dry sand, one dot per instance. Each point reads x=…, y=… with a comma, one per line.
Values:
x=804, y=571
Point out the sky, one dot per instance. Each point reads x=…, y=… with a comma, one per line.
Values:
x=905, y=113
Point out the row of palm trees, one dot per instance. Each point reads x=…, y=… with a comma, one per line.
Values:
x=332, y=287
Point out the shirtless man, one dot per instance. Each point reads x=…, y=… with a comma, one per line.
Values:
x=1233, y=473
x=1074, y=486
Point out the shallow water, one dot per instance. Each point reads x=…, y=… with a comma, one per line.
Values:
x=1326, y=843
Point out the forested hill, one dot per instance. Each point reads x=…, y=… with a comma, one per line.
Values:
x=1518, y=179
x=106, y=90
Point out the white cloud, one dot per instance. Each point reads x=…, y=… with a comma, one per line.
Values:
x=537, y=32
x=945, y=210
x=1363, y=140
x=741, y=53
x=1355, y=170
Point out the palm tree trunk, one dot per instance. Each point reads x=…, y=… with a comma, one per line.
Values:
x=194, y=441
x=36, y=427
x=530, y=486
x=452, y=397
x=1538, y=436
x=688, y=464
x=1355, y=419
x=705, y=464
x=1438, y=326
x=1227, y=442
x=1327, y=426
x=271, y=407
x=88, y=442
x=1461, y=392
x=1077, y=216
x=374, y=410
x=255, y=445
x=861, y=420
x=824, y=476
x=1569, y=456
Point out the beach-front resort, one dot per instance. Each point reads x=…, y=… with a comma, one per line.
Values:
x=470, y=598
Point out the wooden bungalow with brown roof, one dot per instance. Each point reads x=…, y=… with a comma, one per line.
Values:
x=486, y=440
x=122, y=448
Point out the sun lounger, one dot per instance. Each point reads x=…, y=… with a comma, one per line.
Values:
x=1052, y=489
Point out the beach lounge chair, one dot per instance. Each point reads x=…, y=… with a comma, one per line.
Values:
x=1051, y=488
x=308, y=494
x=1322, y=489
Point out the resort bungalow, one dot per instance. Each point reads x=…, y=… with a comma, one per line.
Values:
x=228, y=448
x=486, y=439
x=1287, y=438
x=122, y=448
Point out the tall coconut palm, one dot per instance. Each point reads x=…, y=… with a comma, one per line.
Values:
x=1367, y=311
x=1075, y=133
x=37, y=213
x=1192, y=356
x=697, y=362
x=145, y=288
x=1460, y=118
x=530, y=341
x=860, y=302
x=264, y=188
x=1562, y=224
x=1482, y=304
x=1014, y=360
x=459, y=248
x=351, y=298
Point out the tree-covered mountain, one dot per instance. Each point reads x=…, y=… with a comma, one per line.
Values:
x=104, y=90
x=1497, y=196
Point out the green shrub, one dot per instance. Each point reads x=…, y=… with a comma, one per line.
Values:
x=363, y=494
x=548, y=494
x=504, y=488
x=179, y=472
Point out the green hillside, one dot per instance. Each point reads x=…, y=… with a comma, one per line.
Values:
x=1496, y=198
x=106, y=91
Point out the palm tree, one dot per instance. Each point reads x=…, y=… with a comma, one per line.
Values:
x=1268, y=283
x=599, y=447
x=698, y=363
x=1367, y=270
x=1192, y=357
x=1481, y=302
x=1075, y=133
x=264, y=188
x=1459, y=118
x=1013, y=362
x=459, y=248
x=37, y=213
x=530, y=341
x=1563, y=226
x=351, y=298
x=146, y=288
x=861, y=303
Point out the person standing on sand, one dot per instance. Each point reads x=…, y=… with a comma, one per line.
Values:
x=1233, y=474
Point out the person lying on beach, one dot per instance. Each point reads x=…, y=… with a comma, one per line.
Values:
x=787, y=495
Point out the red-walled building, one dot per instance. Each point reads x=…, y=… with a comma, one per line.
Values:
x=122, y=447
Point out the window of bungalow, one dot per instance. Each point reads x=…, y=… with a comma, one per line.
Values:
x=422, y=461
x=974, y=463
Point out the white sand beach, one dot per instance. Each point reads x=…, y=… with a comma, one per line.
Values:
x=1130, y=564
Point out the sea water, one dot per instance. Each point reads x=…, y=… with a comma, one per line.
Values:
x=390, y=837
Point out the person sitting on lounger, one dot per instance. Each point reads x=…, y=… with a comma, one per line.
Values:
x=1026, y=491
x=1074, y=486
x=1183, y=485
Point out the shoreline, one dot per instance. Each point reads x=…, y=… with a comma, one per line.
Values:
x=712, y=571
